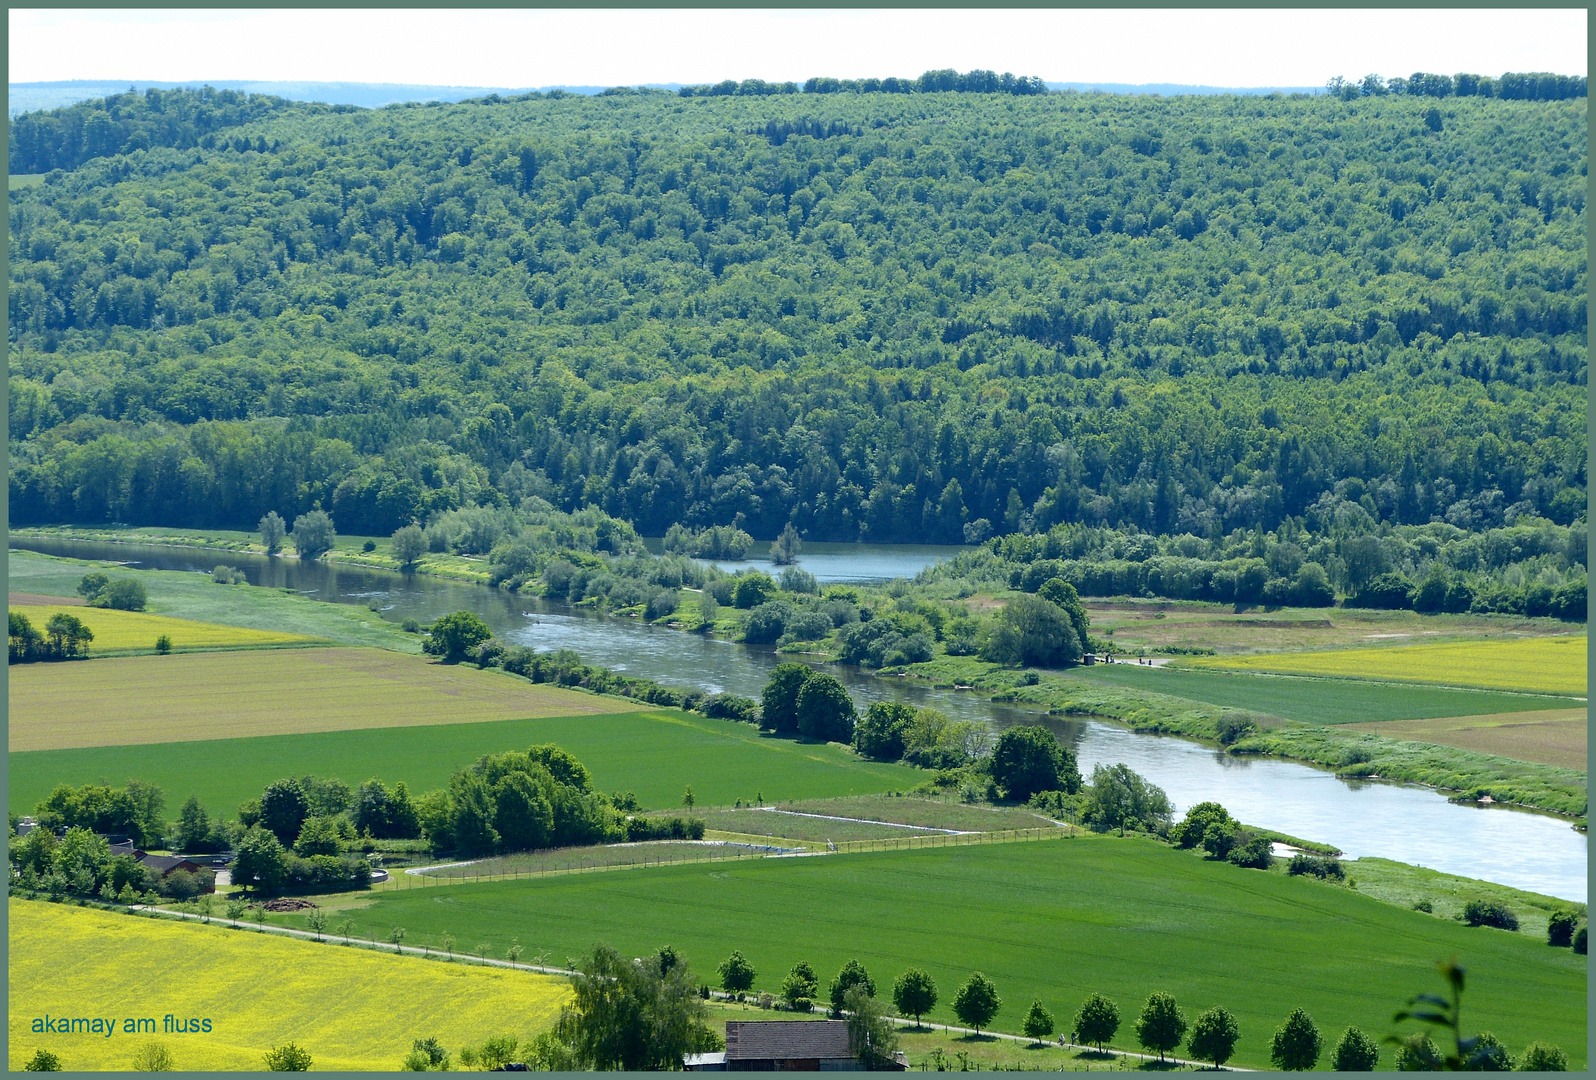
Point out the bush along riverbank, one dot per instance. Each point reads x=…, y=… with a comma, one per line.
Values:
x=1466, y=775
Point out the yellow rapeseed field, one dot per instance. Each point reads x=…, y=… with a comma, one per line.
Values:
x=1544, y=665
x=351, y=1008
x=124, y=631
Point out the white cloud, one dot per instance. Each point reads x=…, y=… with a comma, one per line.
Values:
x=544, y=47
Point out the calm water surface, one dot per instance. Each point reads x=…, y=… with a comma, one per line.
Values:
x=1409, y=824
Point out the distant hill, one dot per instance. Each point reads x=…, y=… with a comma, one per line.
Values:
x=32, y=96
x=1172, y=89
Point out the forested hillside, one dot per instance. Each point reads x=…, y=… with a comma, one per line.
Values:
x=895, y=317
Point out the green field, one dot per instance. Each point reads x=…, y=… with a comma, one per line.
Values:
x=655, y=754
x=1054, y=920
x=1318, y=701
x=194, y=596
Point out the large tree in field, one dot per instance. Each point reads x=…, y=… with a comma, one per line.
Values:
x=409, y=545
x=1214, y=1036
x=736, y=974
x=1120, y=798
x=977, y=1002
x=1028, y=759
x=1161, y=1025
x=1296, y=1046
x=914, y=993
x=283, y=809
x=262, y=862
x=779, y=703
x=824, y=709
x=1097, y=1021
x=1034, y=631
x=1354, y=1052
x=272, y=531
x=454, y=636
x=313, y=534
x=633, y=1016
x=853, y=974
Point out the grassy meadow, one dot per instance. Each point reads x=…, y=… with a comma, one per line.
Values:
x=1314, y=700
x=351, y=1008
x=1154, y=625
x=1550, y=737
x=183, y=595
x=226, y=695
x=1543, y=665
x=136, y=631
x=1054, y=920
x=722, y=760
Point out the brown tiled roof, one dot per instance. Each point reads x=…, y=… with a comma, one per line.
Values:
x=826, y=1040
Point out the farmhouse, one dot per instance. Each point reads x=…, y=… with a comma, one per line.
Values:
x=782, y=1046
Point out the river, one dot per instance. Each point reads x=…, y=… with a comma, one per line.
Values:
x=1394, y=821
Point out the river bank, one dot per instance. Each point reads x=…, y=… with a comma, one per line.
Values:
x=1391, y=820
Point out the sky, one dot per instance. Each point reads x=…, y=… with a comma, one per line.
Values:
x=555, y=47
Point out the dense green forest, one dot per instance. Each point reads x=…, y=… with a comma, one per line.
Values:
x=913, y=316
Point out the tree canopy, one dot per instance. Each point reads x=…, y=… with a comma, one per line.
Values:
x=965, y=310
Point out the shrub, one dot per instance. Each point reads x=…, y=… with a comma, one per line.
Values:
x=731, y=707
x=154, y=1057
x=1194, y=826
x=1579, y=941
x=767, y=622
x=163, y=644
x=1038, y=1023
x=455, y=635
x=1560, y=928
x=799, y=988
x=1320, y=866
x=1539, y=1057
x=1424, y=906
x=1418, y=1053
x=751, y=590
x=1489, y=913
x=42, y=1061
x=123, y=594
x=1252, y=852
x=287, y=1058
x=1489, y=1055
